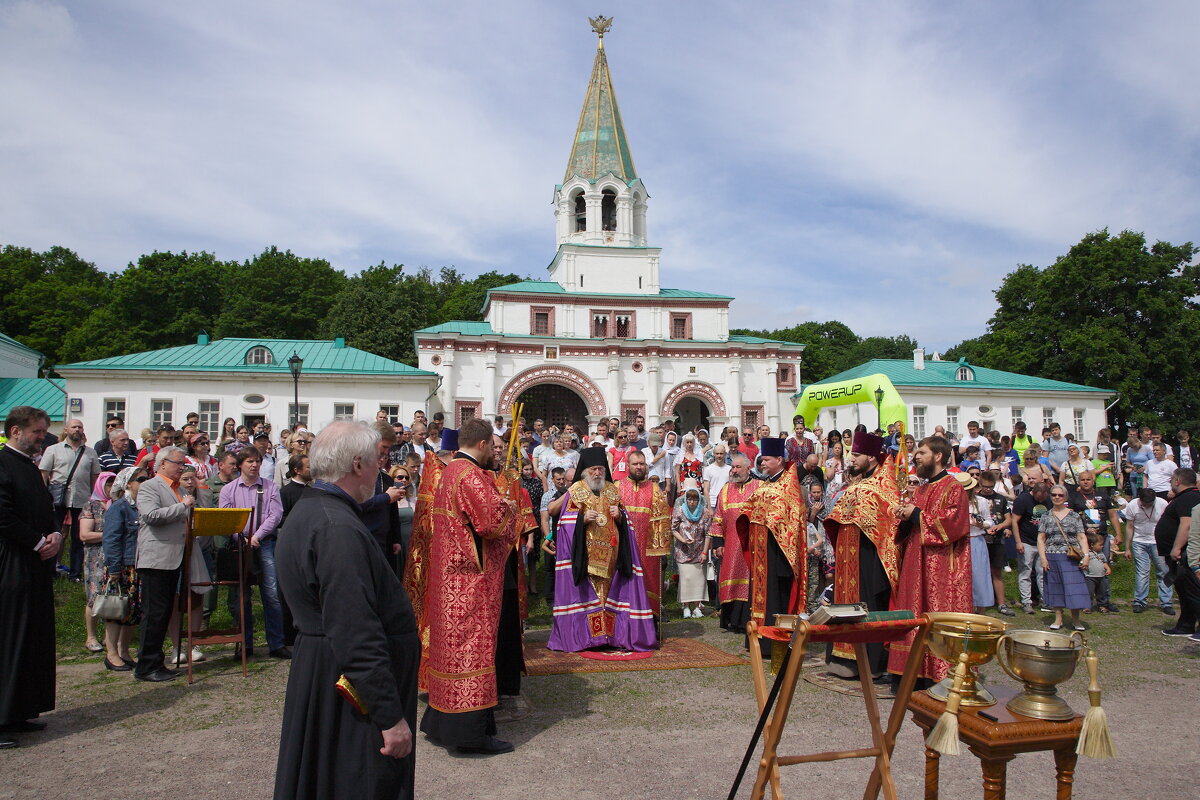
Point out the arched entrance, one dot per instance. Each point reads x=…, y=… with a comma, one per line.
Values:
x=691, y=413
x=555, y=404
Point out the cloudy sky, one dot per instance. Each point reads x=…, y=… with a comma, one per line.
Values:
x=865, y=161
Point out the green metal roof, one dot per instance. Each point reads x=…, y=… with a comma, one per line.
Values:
x=553, y=287
x=485, y=329
x=941, y=374
x=321, y=357
x=47, y=394
x=601, y=146
x=12, y=341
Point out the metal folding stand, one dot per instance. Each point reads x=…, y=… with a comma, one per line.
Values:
x=883, y=740
x=212, y=522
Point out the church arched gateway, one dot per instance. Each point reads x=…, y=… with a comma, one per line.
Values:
x=556, y=394
x=695, y=403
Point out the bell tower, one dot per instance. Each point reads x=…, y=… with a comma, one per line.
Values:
x=602, y=201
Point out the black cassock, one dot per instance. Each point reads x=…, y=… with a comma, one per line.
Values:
x=26, y=591
x=354, y=619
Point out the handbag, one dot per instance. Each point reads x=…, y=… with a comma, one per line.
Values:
x=1073, y=552
x=111, y=603
x=58, y=491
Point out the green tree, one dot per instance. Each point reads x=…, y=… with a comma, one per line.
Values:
x=831, y=347
x=47, y=295
x=465, y=300
x=1112, y=313
x=277, y=295
x=161, y=301
x=379, y=309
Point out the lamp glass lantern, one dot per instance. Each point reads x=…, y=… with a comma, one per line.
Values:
x=295, y=365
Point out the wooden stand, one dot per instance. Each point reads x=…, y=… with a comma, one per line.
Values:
x=212, y=522
x=997, y=742
x=883, y=741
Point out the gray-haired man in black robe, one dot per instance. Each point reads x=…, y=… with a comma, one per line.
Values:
x=355, y=622
x=29, y=542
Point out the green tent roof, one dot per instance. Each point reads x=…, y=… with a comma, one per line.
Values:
x=943, y=374
x=601, y=146
x=229, y=355
x=47, y=394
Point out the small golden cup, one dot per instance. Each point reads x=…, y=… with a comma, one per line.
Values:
x=951, y=635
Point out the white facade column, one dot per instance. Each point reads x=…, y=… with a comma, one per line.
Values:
x=449, y=388
x=653, y=392
x=489, y=385
x=612, y=394
x=733, y=399
x=625, y=219
x=772, y=410
x=594, y=222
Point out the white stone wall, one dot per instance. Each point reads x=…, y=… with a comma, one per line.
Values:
x=186, y=391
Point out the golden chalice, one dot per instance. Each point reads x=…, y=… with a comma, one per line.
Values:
x=951, y=635
x=1041, y=660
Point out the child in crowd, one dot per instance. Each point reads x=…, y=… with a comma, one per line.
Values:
x=1097, y=572
x=971, y=459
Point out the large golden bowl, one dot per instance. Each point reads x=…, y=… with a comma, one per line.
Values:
x=951, y=635
x=1041, y=660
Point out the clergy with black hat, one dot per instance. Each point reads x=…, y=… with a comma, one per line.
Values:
x=862, y=529
x=599, y=596
x=773, y=535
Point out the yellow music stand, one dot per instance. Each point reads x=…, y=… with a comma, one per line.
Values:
x=213, y=522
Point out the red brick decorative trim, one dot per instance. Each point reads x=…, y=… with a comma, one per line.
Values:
x=461, y=407
x=788, y=382
x=590, y=300
x=753, y=416
x=704, y=391
x=630, y=412
x=563, y=376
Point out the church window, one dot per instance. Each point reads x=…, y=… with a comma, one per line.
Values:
x=608, y=210
x=681, y=326
x=624, y=326
x=580, y=213
x=541, y=323
x=600, y=326
x=259, y=355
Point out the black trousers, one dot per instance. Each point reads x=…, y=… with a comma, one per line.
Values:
x=75, y=564
x=1188, y=590
x=510, y=660
x=159, y=588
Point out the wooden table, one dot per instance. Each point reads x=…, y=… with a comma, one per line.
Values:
x=997, y=743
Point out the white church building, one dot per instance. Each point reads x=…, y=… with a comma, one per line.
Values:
x=601, y=335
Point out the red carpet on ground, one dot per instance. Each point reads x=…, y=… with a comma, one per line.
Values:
x=675, y=653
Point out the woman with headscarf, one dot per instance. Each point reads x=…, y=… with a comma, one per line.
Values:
x=119, y=543
x=689, y=463
x=91, y=533
x=690, y=524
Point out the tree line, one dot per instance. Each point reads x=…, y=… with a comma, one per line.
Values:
x=1114, y=313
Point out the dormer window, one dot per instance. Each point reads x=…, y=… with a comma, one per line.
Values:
x=964, y=374
x=259, y=355
x=608, y=210
x=580, y=213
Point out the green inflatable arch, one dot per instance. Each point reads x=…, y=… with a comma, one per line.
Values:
x=852, y=392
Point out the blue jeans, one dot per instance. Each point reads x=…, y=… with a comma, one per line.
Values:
x=268, y=589
x=1143, y=554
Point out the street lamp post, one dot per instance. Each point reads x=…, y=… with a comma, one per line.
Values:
x=879, y=407
x=295, y=364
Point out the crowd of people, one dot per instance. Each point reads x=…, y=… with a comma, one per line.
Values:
x=618, y=512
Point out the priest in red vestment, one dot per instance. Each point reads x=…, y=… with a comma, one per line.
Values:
x=416, y=567
x=473, y=534
x=649, y=519
x=773, y=537
x=862, y=528
x=733, y=587
x=935, y=566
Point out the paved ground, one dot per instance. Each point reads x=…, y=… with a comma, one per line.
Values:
x=669, y=734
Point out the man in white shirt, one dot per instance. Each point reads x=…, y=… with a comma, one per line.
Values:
x=1159, y=470
x=975, y=437
x=716, y=474
x=1143, y=514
